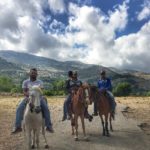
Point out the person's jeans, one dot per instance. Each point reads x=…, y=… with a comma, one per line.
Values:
x=67, y=103
x=95, y=107
x=46, y=113
x=20, y=111
x=111, y=100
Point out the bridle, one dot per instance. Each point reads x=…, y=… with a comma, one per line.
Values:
x=34, y=99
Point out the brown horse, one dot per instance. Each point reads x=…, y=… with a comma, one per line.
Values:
x=103, y=108
x=80, y=100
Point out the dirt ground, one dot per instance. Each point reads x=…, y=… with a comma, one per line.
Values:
x=137, y=108
x=7, y=116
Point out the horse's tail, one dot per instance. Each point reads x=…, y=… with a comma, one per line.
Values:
x=112, y=115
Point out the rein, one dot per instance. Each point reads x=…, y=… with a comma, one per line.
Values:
x=84, y=95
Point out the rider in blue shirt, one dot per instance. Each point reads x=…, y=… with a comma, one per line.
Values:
x=104, y=85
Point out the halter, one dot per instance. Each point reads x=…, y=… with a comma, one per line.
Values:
x=86, y=90
x=35, y=93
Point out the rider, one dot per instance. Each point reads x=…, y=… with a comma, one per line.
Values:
x=104, y=85
x=73, y=82
x=77, y=83
x=20, y=110
x=68, y=99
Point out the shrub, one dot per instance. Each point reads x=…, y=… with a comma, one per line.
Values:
x=6, y=84
x=122, y=89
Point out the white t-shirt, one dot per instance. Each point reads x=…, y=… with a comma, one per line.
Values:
x=28, y=83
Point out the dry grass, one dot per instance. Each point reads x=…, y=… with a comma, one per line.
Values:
x=7, y=116
x=139, y=109
x=140, y=106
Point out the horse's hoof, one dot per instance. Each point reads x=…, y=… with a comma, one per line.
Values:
x=103, y=134
x=33, y=147
x=111, y=130
x=86, y=138
x=76, y=138
x=46, y=146
x=108, y=135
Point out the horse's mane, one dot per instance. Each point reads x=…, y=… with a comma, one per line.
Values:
x=94, y=88
x=37, y=88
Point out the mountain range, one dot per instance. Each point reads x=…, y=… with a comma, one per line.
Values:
x=17, y=64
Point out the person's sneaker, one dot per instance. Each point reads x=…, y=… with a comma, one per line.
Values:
x=64, y=118
x=69, y=117
x=50, y=129
x=16, y=130
x=95, y=114
x=90, y=118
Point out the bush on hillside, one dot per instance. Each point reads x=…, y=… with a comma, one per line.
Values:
x=6, y=84
x=122, y=89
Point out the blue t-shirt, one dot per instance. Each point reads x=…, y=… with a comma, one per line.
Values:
x=104, y=84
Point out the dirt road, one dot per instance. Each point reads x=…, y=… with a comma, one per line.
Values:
x=126, y=135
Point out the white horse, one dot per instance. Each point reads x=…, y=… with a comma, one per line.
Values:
x=33, y=120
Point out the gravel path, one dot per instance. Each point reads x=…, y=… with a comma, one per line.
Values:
x=126, y=135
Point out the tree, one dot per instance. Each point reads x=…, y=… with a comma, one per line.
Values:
x=6, y=84
x=122, y=89
x=58, y=85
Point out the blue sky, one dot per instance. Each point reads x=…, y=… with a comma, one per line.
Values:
x=134, y=6
x=113, y=33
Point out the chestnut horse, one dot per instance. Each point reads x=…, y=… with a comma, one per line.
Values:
x=80, y=100
x=103, y=108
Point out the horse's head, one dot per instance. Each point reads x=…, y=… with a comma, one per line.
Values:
x=94, y=92
x=85, y=93
x=35, y=93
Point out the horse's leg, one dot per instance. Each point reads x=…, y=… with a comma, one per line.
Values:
x=76, y=127
x=33, y=140
x=110, y=121
x=72, y=129
x=102, y=121
x=72, y=125
x=43, y=133
x=106, y=125
x=83, y=126
x=28, y=139
x=37, y=137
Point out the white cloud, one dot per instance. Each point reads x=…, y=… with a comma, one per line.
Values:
x=134, y=49
x=145, y=12
x=118, y=18
x=96, y=30
x=57, y=6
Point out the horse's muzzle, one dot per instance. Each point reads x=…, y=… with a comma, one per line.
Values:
x=37, y=109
